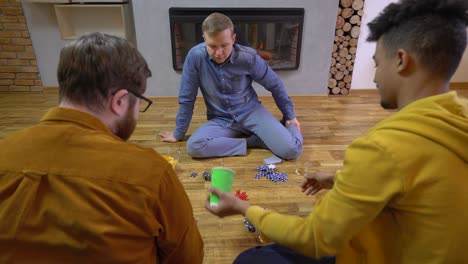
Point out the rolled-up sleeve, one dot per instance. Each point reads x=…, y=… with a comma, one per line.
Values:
x=187, y=95
x=262, y=73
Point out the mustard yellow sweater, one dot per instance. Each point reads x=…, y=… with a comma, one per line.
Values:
x=402, y=196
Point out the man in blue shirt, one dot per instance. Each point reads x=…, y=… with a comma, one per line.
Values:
x=237, y=120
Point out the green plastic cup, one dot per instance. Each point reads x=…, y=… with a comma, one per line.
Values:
x=221, y=178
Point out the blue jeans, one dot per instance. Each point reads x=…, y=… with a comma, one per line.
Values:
x=215, y=140
x=276, y=254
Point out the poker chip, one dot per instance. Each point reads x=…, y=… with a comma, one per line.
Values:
x=269, y=172
x=249, y=226
x=206, y=175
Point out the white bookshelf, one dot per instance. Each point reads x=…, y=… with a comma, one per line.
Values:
x=75, y=20
x=78, y=17
x=47, y=1
x=97, y=1
x=74, y=1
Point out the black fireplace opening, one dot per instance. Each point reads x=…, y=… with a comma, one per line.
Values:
x=275, y=33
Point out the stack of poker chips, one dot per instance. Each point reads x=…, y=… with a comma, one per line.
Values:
x=269, y=172
x=249, y=226
x=207, y=175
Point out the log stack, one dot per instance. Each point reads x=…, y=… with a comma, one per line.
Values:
x=348, y=27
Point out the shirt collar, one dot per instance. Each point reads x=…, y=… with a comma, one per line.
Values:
x=62, y=114
x=229, y=60
x=233, y=54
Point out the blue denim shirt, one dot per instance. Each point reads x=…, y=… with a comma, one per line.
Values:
x=227, y=88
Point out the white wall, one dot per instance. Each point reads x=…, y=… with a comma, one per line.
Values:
x=153, y=40
x=46, y=39
x=363, y=73
x=462, y=73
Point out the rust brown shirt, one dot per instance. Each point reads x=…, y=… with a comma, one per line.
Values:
x=72, y=192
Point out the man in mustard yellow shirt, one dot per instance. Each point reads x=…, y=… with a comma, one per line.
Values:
x=401, y=196
x=72, y=190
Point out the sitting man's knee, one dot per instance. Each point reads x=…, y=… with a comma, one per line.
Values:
x=292, y=153
x=195, y=148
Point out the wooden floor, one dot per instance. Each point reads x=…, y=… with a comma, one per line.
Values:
x=329, y=124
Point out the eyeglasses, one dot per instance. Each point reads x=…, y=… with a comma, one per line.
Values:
x=145, y=103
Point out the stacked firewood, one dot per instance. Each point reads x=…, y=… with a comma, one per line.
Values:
x=348, y=27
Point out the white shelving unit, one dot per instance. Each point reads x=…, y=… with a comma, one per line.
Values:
x=47, y=1
x=78, y=17
x=97, y=1
x=74, y=1
x=75, y=20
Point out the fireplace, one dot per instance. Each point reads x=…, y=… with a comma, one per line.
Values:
x=275, y=33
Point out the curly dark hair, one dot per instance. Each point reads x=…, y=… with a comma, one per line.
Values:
x=433, y=30
x=96, y=65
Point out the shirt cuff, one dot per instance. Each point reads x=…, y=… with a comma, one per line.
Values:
x=178, y=136
x=289, y=115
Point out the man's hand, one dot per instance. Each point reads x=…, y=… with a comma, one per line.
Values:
x=317, y=181
x=167, y=136
x=229, y=204
x=293, y=122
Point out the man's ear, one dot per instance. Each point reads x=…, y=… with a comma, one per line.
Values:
x=233, y=38
x=119, y=102
x=403, y=61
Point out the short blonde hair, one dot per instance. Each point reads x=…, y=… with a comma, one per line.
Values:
x=215, y=23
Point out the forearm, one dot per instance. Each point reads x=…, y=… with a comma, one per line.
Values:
x=242, y=207
x=329, y=181
x=286, y=107
x=293, y=232
x=265, y=76
x=282, y=100
x=183, y=119
x=187, y=96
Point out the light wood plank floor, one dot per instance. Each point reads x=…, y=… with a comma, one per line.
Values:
x=329, y=124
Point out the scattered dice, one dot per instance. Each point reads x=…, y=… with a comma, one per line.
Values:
x=242, y=195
